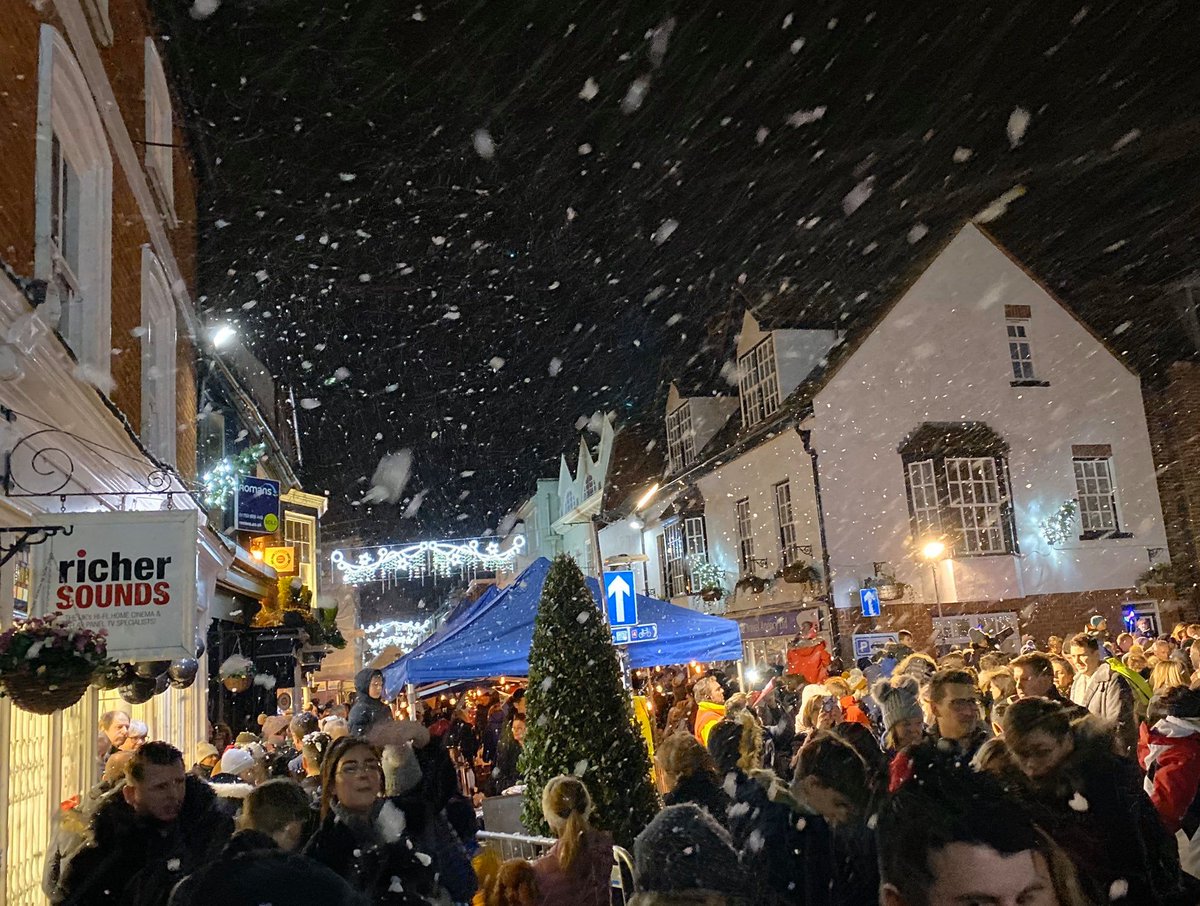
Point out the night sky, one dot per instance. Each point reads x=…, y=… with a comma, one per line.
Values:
x=457, y=228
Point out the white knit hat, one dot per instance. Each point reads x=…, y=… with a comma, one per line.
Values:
x=236, y=761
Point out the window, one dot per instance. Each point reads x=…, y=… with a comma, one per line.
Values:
x=1020, y=351
x=956, y=476
x=787, y=523
x=589, y=487
x=681, y=442
x=160, y=151
x=955, y=630
x=758, y=384
x=922, y=483
x=975, y=496
x=745, y=532
x=73, y=213
x=298, y=532
x=158, y=360
x=681, y=541
x=22, y=584
x=1096, y=490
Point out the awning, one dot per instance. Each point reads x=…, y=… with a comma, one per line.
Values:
x=492, y=637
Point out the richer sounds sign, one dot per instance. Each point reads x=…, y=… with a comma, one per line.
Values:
x=133, y=574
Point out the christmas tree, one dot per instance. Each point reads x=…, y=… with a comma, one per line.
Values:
x=580, y=717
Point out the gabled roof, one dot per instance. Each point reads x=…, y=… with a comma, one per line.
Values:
x=637, y=461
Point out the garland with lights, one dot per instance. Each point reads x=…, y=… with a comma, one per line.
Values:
x=425, y=558
x=403, y=634
x=221, y=481
x=706, y=575
x=1059, y=526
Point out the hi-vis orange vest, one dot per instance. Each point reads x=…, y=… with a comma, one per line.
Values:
x=706, y=718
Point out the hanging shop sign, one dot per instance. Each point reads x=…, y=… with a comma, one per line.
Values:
x=257, y=505
x=132, y=574
x=280, y=559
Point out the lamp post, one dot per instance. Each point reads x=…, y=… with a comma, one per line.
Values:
x=932, y=551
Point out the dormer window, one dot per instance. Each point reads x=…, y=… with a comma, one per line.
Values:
x=681, y=440
x=758, y=383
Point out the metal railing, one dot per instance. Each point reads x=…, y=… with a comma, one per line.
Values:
x=520, y=846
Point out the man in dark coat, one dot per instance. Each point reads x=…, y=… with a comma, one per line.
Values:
x=164, y=826
x=368, y=708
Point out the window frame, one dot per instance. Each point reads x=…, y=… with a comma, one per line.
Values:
x=744, y=520
x=758, y=382
x=159, y=158
x=305, y=569
x=159, y=361
x=683, y=539
x=788, y=548
x=681, y=438
x=1093, y=532
x=70, y=131
x=941, y=449
x=1022, y=361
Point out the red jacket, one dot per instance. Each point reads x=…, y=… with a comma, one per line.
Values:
x=1170, y=756
x=811, y=662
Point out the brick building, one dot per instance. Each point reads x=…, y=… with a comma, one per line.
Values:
x=99, y=338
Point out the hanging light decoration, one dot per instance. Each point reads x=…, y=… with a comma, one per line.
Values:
x=437, y=559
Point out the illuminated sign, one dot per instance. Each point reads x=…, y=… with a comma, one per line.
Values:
x=280, y=559
x=424, y=559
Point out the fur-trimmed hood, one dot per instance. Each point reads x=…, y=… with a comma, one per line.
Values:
x=234, y=790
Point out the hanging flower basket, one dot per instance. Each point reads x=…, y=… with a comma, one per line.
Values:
x=755, y=584
x=47, y=664
x=236, y=684
x=798, y=573
x=31, y=693
x=712, y=593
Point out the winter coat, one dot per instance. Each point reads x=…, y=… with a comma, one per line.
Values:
x=962, y=749
x=252, y=865
x=785, y=848
x=132, y=861
x=506, y=773
x=587, y=883
x=1170, y=756
x=231, y=793
x=1109, y=698
x=366, y=711
x=431, y=833
x=492, y=731
x=780, y=727
x=439, y=780
x=69, y=832
x=703, y=790
x=461, y=736
x=376, y=856
x=1093, y=806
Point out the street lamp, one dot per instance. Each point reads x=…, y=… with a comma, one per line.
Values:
x=222, y=335
x=933, y=550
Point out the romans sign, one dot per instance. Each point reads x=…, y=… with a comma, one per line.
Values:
x=133, y=574
x=257, y=505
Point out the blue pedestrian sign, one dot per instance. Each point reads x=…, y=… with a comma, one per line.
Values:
x=869, y=598
x=620, y=602
x=643, y=632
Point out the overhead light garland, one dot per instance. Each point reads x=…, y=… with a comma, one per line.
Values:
x=221, y=481
x=403, y=634
x=426, y=559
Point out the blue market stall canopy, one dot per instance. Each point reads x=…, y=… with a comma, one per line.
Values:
x=492, y=637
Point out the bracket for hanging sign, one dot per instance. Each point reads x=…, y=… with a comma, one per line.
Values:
x=38, y=466
x=28, y=536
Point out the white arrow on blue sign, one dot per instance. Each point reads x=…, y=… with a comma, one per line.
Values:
x=619, y=599
x=869, y=598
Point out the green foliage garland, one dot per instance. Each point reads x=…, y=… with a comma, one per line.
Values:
x=220, y=482
x=1059, y=526
x=580, y=717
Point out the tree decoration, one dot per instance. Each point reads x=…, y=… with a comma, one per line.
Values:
x=47, y=664
x=580, y=717
x=1059, y=526
x=706, y=576
x=221, y=481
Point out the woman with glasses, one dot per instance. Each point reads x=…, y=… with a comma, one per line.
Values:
x=364, y=837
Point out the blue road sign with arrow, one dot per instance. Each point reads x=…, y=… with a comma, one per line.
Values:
x=869, y=598
x=619, y=599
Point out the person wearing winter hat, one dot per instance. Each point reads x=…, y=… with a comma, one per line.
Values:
x=207, y=758
x=899, y=702
x=234, y=779
x=684, y=856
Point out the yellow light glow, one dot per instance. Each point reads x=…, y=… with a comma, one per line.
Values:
x=647, y=497
x=933, y=549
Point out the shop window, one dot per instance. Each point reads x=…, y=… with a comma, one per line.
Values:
x=73, y=213
x=950, y=631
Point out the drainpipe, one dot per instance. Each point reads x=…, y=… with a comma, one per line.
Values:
x=806, y=438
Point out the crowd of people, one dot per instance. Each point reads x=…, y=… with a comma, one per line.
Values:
x=1061, y=775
